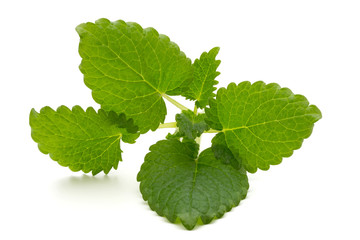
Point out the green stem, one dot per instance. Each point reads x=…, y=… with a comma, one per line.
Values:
x=195, y=110
x=168, y=125
x=173, y=101
x=212, y=131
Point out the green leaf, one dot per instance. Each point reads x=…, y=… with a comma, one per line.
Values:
x=202, y=87
x=178, y=184
x=87, y=141
x=190, y=125
x=129, y=69
x=263, y=123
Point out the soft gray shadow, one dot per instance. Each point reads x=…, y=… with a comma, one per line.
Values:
x=85, y=190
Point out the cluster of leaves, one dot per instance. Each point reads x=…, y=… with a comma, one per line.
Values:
x=130, y=71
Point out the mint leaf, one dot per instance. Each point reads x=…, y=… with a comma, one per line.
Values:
x=189, y=125
x=178, y=184
x=87, y=141
x=129, y=68
x=263, y=123
x=202, y=87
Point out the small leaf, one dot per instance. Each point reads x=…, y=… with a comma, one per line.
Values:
x=178, y=184
x=82, y=140
x=129, y=68
x=202, y=87
x=262, y=123
x=189, y=125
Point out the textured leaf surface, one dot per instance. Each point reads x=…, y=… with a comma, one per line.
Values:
x=128, y=69
x=87, y=141
x=178, y=184
x=263, y=123
x=190, y=125
x=202, y=87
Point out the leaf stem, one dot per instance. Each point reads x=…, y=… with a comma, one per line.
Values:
x=173, y=101
x=168, y=125
x=195, y=110
x=212, y=131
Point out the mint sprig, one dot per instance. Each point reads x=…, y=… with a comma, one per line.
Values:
x=131, y=70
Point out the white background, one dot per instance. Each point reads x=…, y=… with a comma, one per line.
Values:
x=312, y=47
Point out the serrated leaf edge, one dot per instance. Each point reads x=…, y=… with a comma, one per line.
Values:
x=206, y=219
x=76, y=108
x=317, y=116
